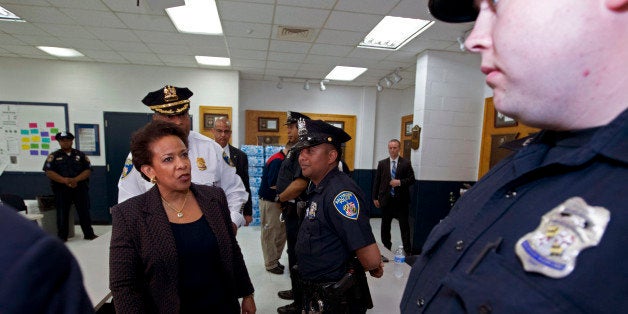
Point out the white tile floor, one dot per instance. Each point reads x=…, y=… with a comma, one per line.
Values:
x=266, y=284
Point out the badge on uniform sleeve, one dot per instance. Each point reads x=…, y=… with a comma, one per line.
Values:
x=200, y=163
x=50, y=158
x=564, y=232
x=347, y=204
x=128, y=166
x=310, y=213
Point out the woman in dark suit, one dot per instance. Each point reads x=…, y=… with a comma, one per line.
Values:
x=173, y=248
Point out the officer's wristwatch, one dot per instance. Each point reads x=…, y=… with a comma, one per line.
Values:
x=277, y=199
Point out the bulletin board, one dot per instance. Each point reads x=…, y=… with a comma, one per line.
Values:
x=27, y=133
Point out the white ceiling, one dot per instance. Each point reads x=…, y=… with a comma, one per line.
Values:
x=120, y=31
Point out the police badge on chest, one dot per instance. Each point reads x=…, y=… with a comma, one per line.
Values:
x=310, y=213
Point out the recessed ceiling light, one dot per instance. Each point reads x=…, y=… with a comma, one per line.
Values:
x=392, y=32
x=61, y=52
x=6, y=15
x=196, y=17
x=342, y=73
x=215, y=61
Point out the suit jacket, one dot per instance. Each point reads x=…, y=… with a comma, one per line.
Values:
x=381, y=184
x=241, y=162
x=143, y=256
x=37, y=272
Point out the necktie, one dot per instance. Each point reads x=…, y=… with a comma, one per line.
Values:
x=226, y=158
x=393, y=173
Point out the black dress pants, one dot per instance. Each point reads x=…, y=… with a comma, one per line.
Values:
x=64, y=197
x=400, y=210
x=293, y=222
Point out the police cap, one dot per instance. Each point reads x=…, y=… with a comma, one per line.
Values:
x=453, y=11
x=316, y=132
x=294, y=116
x=169, y=100
x=64, y=136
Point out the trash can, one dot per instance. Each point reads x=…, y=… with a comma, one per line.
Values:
x=48, y=208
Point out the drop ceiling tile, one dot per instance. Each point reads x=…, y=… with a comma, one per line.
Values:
x=203, y=40
x=140, y=57
x=286, y=57
x=24, y=2
x=6, y=39
x=94, y=18
x=349, y=21
x=23, y=50
x=248, y=43
x=319, y=4
x=160, y=37
x=331, y=50
x=249, y=54
x=325, y=60
x=113, y=33
x=39, y=14
x=278, y=72
x=282, y=65
x=244, y=63
x=39, y=40
x=210, y=52
x=301, y=17
x=131, y=7
x=129, y=46
x=289, y=46
x=412, y=9
x=102, y=56
x=147, y=22
x=240, y=29
x=328, y=36
x=169, y=49
x=245, y=12
x=366, y=6
x=369, y=53
x=78, y=43
x=180, y=59
x=80, y=4
x=63, y=30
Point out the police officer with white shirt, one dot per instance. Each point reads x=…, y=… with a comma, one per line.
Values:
x=172, y=104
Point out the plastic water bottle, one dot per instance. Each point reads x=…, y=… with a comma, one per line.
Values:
x=400, y=259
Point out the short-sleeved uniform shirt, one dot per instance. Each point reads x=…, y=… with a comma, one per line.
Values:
x=471, y=260
x=289, y=170
x=335, y=225
x=67, y=165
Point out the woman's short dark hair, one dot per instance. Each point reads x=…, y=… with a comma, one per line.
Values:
x=150, y=133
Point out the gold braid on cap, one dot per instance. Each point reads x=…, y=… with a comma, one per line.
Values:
x=160, y=108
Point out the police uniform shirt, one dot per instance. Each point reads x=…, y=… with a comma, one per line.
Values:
x=289, y=171
x=68, y=166
x=336, y=224
x=534, y=210
x=208, y=168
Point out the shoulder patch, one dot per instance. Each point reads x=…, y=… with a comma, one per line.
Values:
x=128, y=166
x=347, y=205
x=50, y=158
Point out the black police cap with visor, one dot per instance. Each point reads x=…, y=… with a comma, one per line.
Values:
x=454, y=11
x=64, y=136
x=316, y=132
x=294, y=116
x=169, y=100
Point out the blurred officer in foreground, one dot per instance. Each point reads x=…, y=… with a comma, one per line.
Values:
x=545, y=230
x=208, y=168
x=335, y=244
x=291, y=185
x=235, y=158
x=37, y=272
x=68, y=170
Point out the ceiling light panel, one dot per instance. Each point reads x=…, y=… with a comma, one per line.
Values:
x=214, y=61
x=60, y=52
x=196, y=17
x=6, y=15
x=392, y=32
x=343, y=73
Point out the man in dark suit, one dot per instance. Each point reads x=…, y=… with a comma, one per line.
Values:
x=235, y=158
x=37, y=272
x=391, y=193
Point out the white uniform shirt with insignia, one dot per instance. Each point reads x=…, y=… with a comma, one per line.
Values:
x=208, y=168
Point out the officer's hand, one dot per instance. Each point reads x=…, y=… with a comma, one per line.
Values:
x=378, y=272
x=248, y=305
x=395, y=182
x=247, y=220
x=376, y=203
x=235, y=228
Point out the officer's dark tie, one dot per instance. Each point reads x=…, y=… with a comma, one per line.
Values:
x=393, y=173
x=227, y=159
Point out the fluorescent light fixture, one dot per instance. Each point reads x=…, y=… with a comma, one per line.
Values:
x=196, y=17
x=342, y=73
x=306, y=86
x=215, y=61
x=61, y=52
x=392, y=32
x=6, y=15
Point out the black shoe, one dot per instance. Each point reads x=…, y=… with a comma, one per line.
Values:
x=292, y=308
x=385, y=259
x=285, y=294
x=280, y=266
x=92, y=237
x=275, y=270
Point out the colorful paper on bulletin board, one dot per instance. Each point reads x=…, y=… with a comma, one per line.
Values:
x=54, y=131
x=34, y=153
x=44, y=134
x=35, y=138
x=45, y=140
x=26, y=140
x=35, y=146
x=32, y=125
x=44, y=152
x=45, y=146
x=25, y=147
x=50, y=124
x=24, y=132
x=34, y=131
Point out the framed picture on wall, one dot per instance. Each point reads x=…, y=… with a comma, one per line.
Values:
x=503, y=121
x=408, y=128
x=338, y=124
x=267, y=124
x=210, y=118
x=87, y=138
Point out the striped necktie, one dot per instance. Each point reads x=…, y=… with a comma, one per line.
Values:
x=393, y=173
x=227, y=159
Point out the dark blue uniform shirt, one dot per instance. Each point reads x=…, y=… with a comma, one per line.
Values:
x=335, y=225
x=289, y=170
x=67, y=165
x=469, y=263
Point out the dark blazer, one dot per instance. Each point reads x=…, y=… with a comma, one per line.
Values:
x=241, y=163
x=37, y=272
x=381, y=184
x=143, y=256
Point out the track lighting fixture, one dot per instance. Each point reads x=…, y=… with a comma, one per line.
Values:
x=460, y=41
x=306, y=82
x=388, y=82
x=395, y=77
x=306, y=86
x=323, y=87
x=379, y=87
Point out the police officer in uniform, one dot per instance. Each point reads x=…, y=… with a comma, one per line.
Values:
x=68, y=170
x=291, y=185
x=544, y=231
x=172, y=104
x=335, y=244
